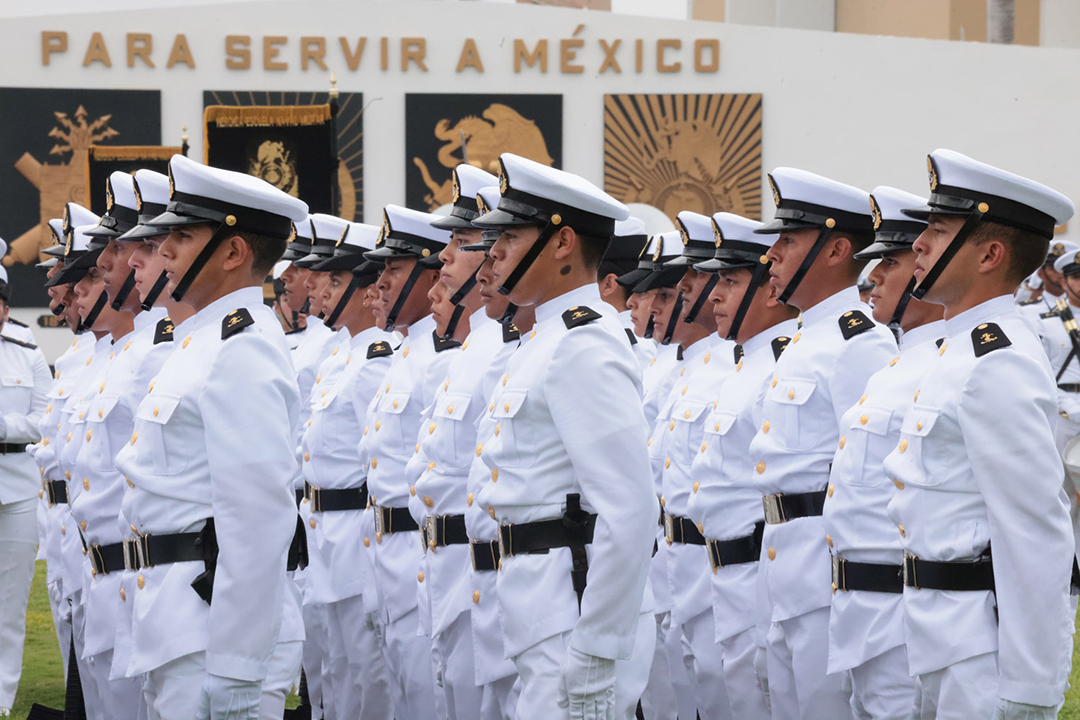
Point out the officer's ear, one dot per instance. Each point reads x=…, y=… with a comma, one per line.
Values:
x=235, y=252
x=564, y=242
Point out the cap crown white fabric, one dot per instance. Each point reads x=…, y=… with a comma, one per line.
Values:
x=1067, y=254
x=327, y=227
x=279, y=267
x=630, y=226
x=736, y=227
x=303, y=229
x=891, y=202
x=490, y=196
x=153, y=186
x=953, y=169
x=3, y=247
x=234, y=188
x=401, y=219
x=807, y=187
x=123, y=190
x=469, y=179
x=669, y=244
x=698, y=227
x=79, y=215
x=559, y=187
x=57, y=227
x=361, y=235
x=80, y=241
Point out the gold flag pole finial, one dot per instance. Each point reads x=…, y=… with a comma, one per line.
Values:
x=333, y=86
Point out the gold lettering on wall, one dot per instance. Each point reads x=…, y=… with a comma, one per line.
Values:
x=413, y=49
x=139, y=45
x=52, y=42
x=313, y=49
x=271, y=51
x=238, y=52
x=538, y=54
x=470, y=57
x=352, y=58
x=181, y=53
x=97, y=52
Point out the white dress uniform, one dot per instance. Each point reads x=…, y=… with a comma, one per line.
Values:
x=727, y=504
x=112, y=398
x=818, y=377
x=983, y=420
x=24, y=381
x=644, y=348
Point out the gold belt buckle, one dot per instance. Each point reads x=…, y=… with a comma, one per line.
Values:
x=315, y=498
x=713, y=551
x=910, y=579
x=506, y=547
x=839, y=582
x=432, y=539
x=378, y=521
x=142, y=551
x=96, y=561
x=669, y=528
x=129, y=553
x=774, y=510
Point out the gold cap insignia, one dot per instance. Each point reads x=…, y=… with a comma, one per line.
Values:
x=138, y=197
x=1057, y=250
x=504, y=182
x=718, y=236
x=172, y=184
x=108, y=195
x=341, y=239
x=933, y=173
x=384, y=232
x=775, y=191
x=875, y=212
x=482, y=206
x=456, y=187
x=69, y=241
x=683, y=234
x=66, y=228
x=230, y=220
x=659, y=249
x=292, y=233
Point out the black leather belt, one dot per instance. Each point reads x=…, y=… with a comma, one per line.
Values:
x=958, y=576
x=872, y=577
x=443, y=530
x=152, y=550
x=56, y=491
x=12, y=448
x=390, y=520
x=485, y=555
x=105, y=559
x=1070, y=387
x=323, y=500
x=735, y=552
x=780, y=508
x=300, y=496
x=682, y=530
x=541, y=536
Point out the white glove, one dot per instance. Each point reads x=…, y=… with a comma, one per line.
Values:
x=228, y=699
x=1009, y=710
x=587, y=686
x=761, y=669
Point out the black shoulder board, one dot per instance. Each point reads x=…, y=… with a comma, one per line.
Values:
x=939, y=341
x=20, y=343
x=379, y=349
x=854, y=323
x=234, y=322
x=1050, y=314
x=738, y=354
x=987, y=337
x=164, y=331
x=579, y=315
x=17, y=323
x=510, y=332
x=442, y=343
x=1029, y=302
x=779, y=345
x=631, y=337
x=679, y=353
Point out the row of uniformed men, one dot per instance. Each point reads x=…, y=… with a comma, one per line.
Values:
x=533, y=458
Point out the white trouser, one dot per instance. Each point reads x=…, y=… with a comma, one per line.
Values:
x=658, y=702
x=363, y=691
x=540, y=670
x=882, y=687
x=408, y=657
x=744, y=692
x=174, y=690
x=118, y=698
x=18, y=544
x=967, y=689
x=704, y=661
x=455, y=670
x=797, y=650
x=91, y=700
x=316, y=667
x=61, y=613
x=499, y=699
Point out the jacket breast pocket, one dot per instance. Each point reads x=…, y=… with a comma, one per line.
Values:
x=685, y=429
x=866, y=443
x=391, y=425
x=517, y=444
x=717, y=425
x=162, y=442
x=926, y=451
x=18, y=389
x=100, y=456
x=453, y=437
x=790, y=413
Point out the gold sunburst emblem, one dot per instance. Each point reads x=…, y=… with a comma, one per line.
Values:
x=775, y=191
x=172, y=184
x=384, y=232
x=292, y=233
x=875, y=212
x=138, y=197
x=718, y=235
x=344, y=234
x=933, y=173
x=481, y=206
x=504, y=182
x=108, y=195
x=456, y=188
x=659, y=248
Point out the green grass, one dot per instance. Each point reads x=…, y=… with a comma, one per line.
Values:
x=43, y=673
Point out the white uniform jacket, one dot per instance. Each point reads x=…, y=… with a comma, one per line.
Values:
x=24, y=381
x=818, y=377
x=644, y=348
x=214, y=438
x=977, y=461
x=571, y=422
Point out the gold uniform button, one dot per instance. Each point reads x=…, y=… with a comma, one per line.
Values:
x=682, y=372
x=696, y=486
x=667, y=463
x=395, y=404
x=446, y=386
x=796, y=338
x=479, y=449
x=387, y=387
x=378, y=538
x=498, y=428
x=685, y=388
x=312, y=523
x=419, y=577
x=41, y=493
x=86, y=483
x=686, y=415
x=318, y=378
x=772, y=553
x=764, y=428
x=899, y=485
x=842, y=441
x=791, y=394
x=417, y=450
x=430, y=430
x=67, y=474
x=832, y=489
x=431, y=466
x=893, y=361
x=465, y=345
x=141, y=582
x=761, y=467
x=123, y=595
x=83, y=525
x=450, y=410
x=491, y=512
x=649, y=443
x=672, y=426
x=476, y=597
x=494, y=474
x=902, y=533
x=703, y=446
x=942, y=350
x=916, y=396
x=134, y=437
x=69, y=437
x=862, y=399
x=663, y=501
x=378, y=424
x=307, y=457
x=412, y=490
x=186, y=341
x=157, y=410
x=429, y=502
x=88, y=432
x=469, y=500
x=406, y=353
x=918, y=425
x=505, y=378
x=491, y=408
x=101, y=389
x=151, y=388
x=828, y=540
x=374, y=463
x=864, y=419
x=63, y=529
x=903, y=445
x=532, y=334
x=88, y=360
x=738, y=366
x=506, y=407
x=48, y=409
x=128, y=481
x=367, y=542
x=334, y=353
x=101, y=412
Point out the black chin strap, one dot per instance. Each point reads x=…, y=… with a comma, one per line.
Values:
x=220, y=233
x=508, y=314
x=294, y=324
x=954, y=247
x=399, y=303
x=901, y=307
x=747, y=298
x=354, y=282
x=650, y=327
x=701, y=298
x=58, y=309
x=125, y=290
x=792, y=286
x=455, y=318
x=530, y=257
x=305, y=309
x=466, y=287
x=673, y=321
x=155, y=291
x=92, y=316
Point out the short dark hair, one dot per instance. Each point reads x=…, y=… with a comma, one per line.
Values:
x=1027, y=250
x=593, y=249
x=859, y=241
x=265, y=251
